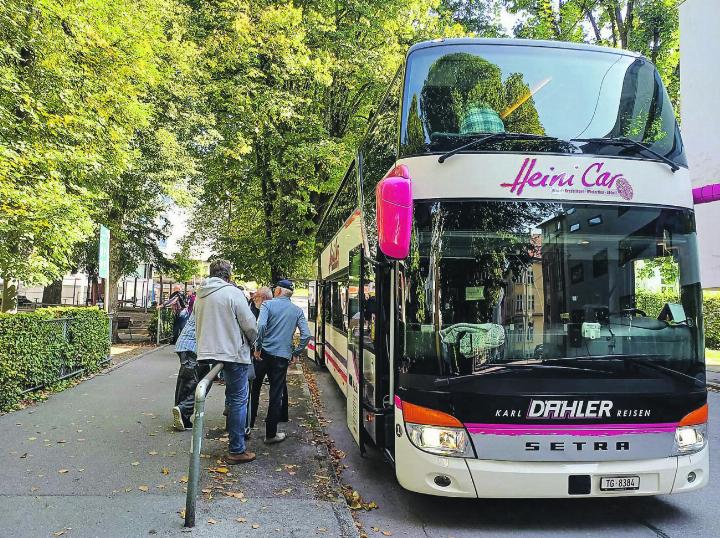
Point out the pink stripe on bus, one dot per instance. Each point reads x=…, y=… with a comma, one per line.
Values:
x=571, y=429
x=398, y=402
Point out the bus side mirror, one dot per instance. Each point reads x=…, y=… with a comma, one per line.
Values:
x=393, y=196
x=706, y=194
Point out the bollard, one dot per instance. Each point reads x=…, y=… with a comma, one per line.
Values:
x=196, y=446
x=159, y=325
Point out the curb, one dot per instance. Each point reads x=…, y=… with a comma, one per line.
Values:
x=342, y=511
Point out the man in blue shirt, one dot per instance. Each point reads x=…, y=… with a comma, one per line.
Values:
x=274, y=350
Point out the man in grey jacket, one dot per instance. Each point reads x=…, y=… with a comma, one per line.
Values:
x=226, y=330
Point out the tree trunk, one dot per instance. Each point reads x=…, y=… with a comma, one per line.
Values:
x=9, y=296
x=52, y=294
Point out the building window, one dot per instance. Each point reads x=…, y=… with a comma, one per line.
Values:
x=518, y=303
x=531, y=303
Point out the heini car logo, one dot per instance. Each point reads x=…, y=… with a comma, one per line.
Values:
x=596, y=179
x=564, y=409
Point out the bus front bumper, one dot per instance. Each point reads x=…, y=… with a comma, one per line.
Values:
x=457, y=477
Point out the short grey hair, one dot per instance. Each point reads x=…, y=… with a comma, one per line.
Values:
x=284, y=292
x=221, y=269
x=264, y=292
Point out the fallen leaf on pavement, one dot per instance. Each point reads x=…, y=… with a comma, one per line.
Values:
x=182, y=513
x=63, y=471
x=386, y=533
x=143, y=488
x=212, y=521
x=165, y=470
x=58, y=533
x=205, y=491
x=375, y=529
x=135, y=463
x=255, y=526
x=153, y=453
x=221, y=470
x=184, y=479
x=241, y=520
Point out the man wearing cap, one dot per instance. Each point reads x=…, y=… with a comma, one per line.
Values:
x=274, y=350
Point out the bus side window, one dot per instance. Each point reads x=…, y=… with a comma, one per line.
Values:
x=378, y=154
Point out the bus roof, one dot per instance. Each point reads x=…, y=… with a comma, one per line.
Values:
x=520, y=42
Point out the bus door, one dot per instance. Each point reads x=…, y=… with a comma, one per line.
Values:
x=312, y=317
x=354, y=348
x=369, y=339
x=323, y=297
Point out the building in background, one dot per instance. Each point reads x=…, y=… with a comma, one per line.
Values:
x=700, y=117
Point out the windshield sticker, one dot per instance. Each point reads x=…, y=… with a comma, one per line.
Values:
x=595, y=179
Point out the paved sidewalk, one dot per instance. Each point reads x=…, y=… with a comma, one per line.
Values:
x=101, y=459
x=712, y=373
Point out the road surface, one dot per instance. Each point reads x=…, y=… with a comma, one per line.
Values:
x=411, y=514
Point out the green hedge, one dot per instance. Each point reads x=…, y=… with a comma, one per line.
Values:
x=34, y=351
x=652, y=303
x=711, y=313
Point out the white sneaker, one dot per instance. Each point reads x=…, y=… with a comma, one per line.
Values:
x=178, y=423
x=279, y=438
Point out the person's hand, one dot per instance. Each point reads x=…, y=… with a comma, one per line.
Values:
x=256, y=354
x=294, y=359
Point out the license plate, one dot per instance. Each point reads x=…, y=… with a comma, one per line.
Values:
x=619, y=483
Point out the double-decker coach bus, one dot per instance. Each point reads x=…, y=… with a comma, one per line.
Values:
x=507, y=283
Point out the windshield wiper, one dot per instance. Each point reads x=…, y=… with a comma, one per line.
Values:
x=644, y=359
x=483, y=137
x=624, y=141
x=496, y=368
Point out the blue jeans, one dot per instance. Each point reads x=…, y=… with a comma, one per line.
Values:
x=236, y=396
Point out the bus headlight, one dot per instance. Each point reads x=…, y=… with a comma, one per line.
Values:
x=443, y=441
x=690, y=439
x=691, y=433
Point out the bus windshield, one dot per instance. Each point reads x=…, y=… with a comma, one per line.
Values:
x=456, y=92
x=499, y=283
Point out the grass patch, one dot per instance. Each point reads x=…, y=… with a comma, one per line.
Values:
x=712, y=356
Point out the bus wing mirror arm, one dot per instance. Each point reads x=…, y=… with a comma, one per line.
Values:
x=393, y=197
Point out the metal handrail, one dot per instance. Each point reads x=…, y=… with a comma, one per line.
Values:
x=196, y=444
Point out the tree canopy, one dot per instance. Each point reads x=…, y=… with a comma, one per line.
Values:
x=247, y=111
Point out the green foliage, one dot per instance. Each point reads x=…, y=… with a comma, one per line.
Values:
x=36, y=351
x=101, y=120
x=291, y=86
x=711, y=315
x=650, y=27
x=166, y=323
x=183, y=266
x=652, y=303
